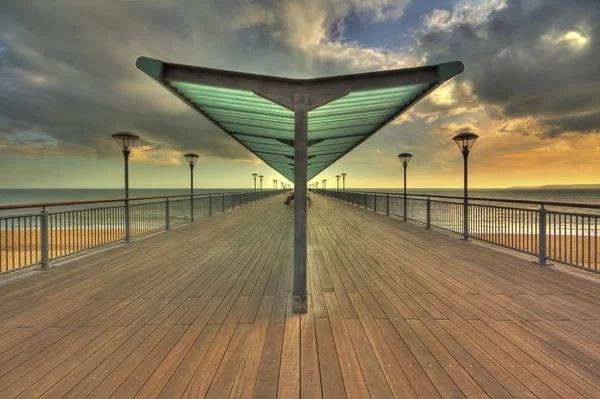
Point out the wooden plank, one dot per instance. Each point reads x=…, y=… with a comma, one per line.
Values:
x=225, y=376
x=354, y=380
x=268, y=372
x=371, y=370
x=245, y=380
x=289, y=371
x=331, y=376
x=309, y=357
x=144, y=370
x=200, y=382
x=431, y=358
x=45, y=382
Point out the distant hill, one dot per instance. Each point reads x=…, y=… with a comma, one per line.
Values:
x=558, y=187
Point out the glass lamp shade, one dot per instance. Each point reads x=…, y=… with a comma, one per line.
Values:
x=344, y=175
x=126, y=140
x=337, y=176
x=405, y=158
x=255, y=175
x=191, y=158
x=465, y=141
x=261, y=177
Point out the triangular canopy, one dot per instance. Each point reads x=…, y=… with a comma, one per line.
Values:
x=258, y=110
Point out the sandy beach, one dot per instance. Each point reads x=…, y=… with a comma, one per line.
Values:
x=581, y=250
x=17, y=250
x=26, y=250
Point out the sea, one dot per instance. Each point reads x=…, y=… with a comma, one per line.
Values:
x=25, y=196
x=48, y=196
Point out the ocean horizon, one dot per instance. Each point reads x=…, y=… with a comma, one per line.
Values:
x=13, y=196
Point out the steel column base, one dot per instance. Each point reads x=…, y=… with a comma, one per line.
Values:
x=537, y=262
x=299, y=304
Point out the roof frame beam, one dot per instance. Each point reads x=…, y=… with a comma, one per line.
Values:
x=282, y=88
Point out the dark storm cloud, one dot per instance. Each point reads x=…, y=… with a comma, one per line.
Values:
x=531, y=58
x=68, y=73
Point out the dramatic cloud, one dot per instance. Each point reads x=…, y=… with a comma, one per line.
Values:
x=68, y=76
x=530, y=58
x=68, y=69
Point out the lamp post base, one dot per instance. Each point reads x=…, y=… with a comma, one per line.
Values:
x=299, y=304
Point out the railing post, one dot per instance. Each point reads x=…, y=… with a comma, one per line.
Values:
x=387, y=204
x=167, y=215
x=542, y=234
x=44, y=239
x=375, y=202
x=209, y=205
x=428, y=213
x=223, y=202
x=366, y=199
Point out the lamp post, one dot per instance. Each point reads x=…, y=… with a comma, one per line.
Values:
x=325, y=185
x=405, y=159
x=255, y=175
x=126, y=142
x=344, y=182
x=261, y=177
x=191, y=158
x=465, y=143
x=338, y=182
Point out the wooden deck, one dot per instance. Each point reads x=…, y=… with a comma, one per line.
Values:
x=395, y=310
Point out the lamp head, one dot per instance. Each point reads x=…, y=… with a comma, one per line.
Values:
x=405, y=158
x=126, y=140
x=191, y=158
x=465, y=141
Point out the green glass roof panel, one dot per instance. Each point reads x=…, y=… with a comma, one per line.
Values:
x=237, y=103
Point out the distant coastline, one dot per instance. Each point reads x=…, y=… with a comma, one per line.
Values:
x=558, y=187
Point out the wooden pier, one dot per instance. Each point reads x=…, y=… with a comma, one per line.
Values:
x=395, y=310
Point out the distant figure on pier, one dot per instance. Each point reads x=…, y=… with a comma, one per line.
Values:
x=290, y=198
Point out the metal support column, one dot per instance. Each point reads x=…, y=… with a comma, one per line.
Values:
x=223, y=202
x=299, y=304
x=209, y=205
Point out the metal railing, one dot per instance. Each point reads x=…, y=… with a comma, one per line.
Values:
x=35, y=234
x=563, y=232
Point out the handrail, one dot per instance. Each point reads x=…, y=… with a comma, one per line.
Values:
x=506, y=200
x=53, y=233
x=564, y=235
x=103, y=201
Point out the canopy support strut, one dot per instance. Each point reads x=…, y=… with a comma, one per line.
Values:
x=299, y=304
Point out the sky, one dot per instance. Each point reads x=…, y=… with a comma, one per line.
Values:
x=530, y=89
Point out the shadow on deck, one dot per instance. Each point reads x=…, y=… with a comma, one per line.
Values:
x=395, y=310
